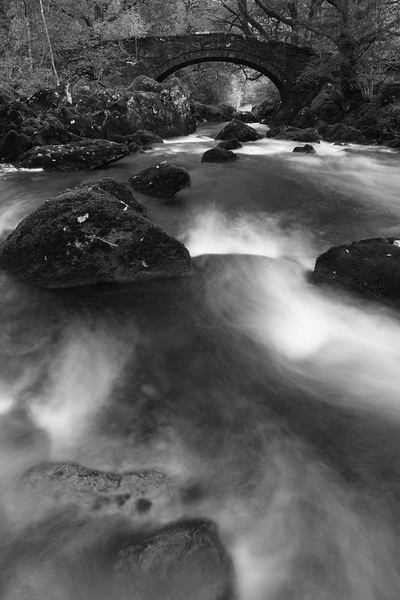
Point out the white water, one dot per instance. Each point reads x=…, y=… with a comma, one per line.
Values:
x=282, y=403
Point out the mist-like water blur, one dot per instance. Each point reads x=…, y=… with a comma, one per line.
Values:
x=268, y=405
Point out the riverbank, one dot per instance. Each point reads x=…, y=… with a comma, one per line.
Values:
x=335, y=119
x=58, y=117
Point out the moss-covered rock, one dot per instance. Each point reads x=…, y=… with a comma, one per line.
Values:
x=219, y=155
x=239, y=130
x=88, y=235
x=84, y=155
x=368, y=267
x=163, y=180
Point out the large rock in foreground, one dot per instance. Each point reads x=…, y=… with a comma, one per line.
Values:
x=239, y=130
x=85, y=155
x=163, y=180
x=369, y=267
x=88, y=235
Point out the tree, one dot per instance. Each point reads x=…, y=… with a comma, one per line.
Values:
x=354, y=29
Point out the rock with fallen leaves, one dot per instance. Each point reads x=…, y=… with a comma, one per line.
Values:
x=84, y=155
x=163, y=180
x=368, y=267
x=89, y=235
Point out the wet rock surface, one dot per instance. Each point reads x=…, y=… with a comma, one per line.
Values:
x=186, y=560
x=239, y=130
x=368, y=267
x=219, y=155
x=85, y=155
x=306, y=149
x=144, y=138
x=309, y=134
x=106, y=558
x=89, y=235
x=232, y=144
x=163, y=180
x=136, y=494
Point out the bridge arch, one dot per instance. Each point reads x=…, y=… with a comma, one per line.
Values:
x=219, y=55
x=159, y=57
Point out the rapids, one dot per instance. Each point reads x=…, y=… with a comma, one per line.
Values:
x=272, y=406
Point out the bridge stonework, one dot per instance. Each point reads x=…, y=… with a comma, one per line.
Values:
x=159, y=57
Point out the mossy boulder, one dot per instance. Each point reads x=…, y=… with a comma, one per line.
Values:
x=142, y=137
x=219, y=155
x=162, y=180
x=83, y=155
x=89, y=235
x=232, y=144
x=368, y=267
x=239, y=130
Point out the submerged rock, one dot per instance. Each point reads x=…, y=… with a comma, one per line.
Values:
x=218, y=155
x=135, y=493
x=84, y=155
x=239, y=130
x=162, y=180
x=88, y=235
x=232, y=144
x=369, y=267
x=184, y=559
x=306, y=149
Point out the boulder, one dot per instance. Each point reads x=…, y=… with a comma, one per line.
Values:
x=184, y=559
x=88, y=235
x=245, y=115
x=14, y=144
x=239, y=130
x=343, y=133
x=117, y=189
x=296, y=135
x=135, y=493
x=306, y=149
x=83, y=155
x=369, y=267
x=304, y=118
x=44, y=99
x=163, y=180
x=326, y=105
x=218, y=155
x=145, y=84
x=232, y=144
x=142, y=137
x=209, y=112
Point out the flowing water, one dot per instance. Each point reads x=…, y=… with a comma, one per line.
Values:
x=272, y=406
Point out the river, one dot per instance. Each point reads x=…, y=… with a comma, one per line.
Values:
x=272, y=406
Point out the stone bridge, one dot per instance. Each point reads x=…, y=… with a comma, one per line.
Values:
x=159, y=57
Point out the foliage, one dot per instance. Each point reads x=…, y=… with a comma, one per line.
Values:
x=362, y=37
x=217, y=82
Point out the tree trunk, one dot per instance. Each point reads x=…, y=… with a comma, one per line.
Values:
x=348, y=66
x=53, y=66
x=29, y=35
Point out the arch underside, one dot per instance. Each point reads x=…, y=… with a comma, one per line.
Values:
x=254, y=62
